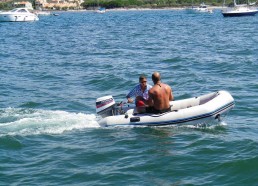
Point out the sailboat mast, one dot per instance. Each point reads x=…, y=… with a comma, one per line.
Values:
x=235, y=3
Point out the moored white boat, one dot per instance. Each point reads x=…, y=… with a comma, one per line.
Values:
x=202, y=8
x=201, y=110
x=18, y=14
x=101, y=10
x=239, y=10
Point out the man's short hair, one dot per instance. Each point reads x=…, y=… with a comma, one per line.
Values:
x=142, y=77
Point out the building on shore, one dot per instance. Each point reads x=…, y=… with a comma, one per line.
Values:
x=47, y=4
x=23, y=4
x=58, y=4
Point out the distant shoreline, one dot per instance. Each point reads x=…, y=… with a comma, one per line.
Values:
x=143, y=9
x=165, y=8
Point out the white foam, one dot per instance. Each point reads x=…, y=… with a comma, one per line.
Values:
x=30, y=121
x=223, y=123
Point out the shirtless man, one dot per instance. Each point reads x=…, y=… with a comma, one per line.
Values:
x=159, y=96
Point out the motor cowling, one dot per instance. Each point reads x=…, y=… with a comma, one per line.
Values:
x=104, y=106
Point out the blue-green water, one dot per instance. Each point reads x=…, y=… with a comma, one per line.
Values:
x=53, y=70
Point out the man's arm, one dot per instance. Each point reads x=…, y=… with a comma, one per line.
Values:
x=129, y=100
x=171, y=97
x=131, y=94
x=150, y=99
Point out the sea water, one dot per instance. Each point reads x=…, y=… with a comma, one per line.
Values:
x=53, y=70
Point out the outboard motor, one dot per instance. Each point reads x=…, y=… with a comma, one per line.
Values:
x=105, y=106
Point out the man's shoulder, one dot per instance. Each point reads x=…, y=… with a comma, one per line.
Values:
x=168, y=88
x=166, y=85
x=137, y=86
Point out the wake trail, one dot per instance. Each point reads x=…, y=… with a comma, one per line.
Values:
x=18, y=121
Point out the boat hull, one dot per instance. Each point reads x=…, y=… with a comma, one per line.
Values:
x=193, y=111
x=18, y=15
x=238, y=12
x=18, y=18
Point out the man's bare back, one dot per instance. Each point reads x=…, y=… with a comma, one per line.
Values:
x=160, y=94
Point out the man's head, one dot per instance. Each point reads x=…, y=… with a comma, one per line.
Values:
x=155, y=77
x=143, y=81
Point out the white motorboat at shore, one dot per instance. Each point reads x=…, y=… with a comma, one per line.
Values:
x=101, y=10
x=202, y=8
x=201, y=110
x=18, y=14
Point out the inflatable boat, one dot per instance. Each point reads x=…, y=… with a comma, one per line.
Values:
x=201, y=110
